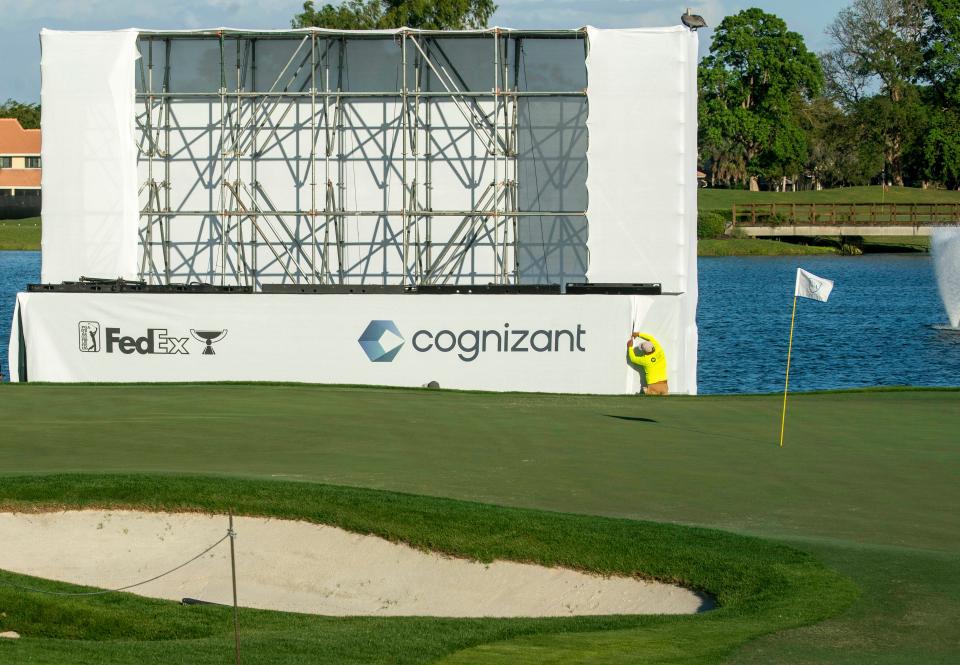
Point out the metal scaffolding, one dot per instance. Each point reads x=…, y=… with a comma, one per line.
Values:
x=308, y=244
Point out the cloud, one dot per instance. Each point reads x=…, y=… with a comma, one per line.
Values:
x=600, y=13
x=101, y=14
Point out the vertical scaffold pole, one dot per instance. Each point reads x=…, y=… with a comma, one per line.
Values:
x=254, y=156
x=517, y=54
x=504, y=75
x=495, y=247
x=340, y=225
x=416, y=149
x=403, y=170
x=428, y=166
x=223, y=173
x=235, y=141
x=313, y=156
x=153, y=201
x=165, y=221
x=329, y=201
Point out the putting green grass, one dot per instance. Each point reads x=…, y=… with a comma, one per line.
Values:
x=867, y=482
x=20, y=234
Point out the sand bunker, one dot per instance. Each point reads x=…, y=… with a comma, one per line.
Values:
x=301, y=567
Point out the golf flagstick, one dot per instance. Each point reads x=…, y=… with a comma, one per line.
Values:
x=786, y=382
x=809, y=286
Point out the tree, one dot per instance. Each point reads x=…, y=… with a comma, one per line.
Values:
x=941, y=48
x=843, y=150
x=877, y=44
x=941, y=69
x=941, y=148
x=350, y=15
x=752, y=85
x=373, y=14
x=27, y=114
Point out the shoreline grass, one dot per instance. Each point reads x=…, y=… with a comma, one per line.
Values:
x=723, y=199
x=20, y=234
x=757, y=247
x=832, y=245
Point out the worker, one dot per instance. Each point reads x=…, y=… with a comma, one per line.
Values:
x=646, y=352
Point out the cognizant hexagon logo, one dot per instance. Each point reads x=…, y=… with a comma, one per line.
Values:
x=381, y=341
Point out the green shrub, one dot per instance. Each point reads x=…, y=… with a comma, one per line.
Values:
x=710, y=224
x=775, y=219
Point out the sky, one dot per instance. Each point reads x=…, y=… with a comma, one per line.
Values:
x=21, y=21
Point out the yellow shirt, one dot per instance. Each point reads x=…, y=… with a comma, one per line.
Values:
x=654, y=364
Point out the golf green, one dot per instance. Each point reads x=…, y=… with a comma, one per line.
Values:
x=866, y=480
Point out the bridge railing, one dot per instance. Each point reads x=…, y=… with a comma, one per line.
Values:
x=844, y=214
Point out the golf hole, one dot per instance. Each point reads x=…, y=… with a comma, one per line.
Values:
x=297, y=566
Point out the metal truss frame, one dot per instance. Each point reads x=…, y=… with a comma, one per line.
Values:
x=245, y=215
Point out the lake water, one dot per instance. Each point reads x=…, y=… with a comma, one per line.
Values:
x=875, y=331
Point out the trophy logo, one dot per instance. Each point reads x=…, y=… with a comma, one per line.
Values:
x=89, y=332
x=209, y=338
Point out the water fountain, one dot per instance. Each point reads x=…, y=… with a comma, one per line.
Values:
x=945, y=246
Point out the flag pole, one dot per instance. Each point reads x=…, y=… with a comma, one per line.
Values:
x=786, y=383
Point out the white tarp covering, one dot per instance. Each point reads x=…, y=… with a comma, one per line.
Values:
x=90, y=210
x=640, y=112
x=641, y=157
x=573, y=344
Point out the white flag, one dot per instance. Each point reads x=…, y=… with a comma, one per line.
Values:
x=811, y=286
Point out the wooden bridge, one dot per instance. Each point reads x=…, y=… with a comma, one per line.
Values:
x=842, y=219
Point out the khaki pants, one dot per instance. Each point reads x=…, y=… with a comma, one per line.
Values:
x=658, y=388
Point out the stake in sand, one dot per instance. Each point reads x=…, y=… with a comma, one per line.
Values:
x=809, y=286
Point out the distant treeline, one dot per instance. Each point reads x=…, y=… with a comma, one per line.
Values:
x=881, y=106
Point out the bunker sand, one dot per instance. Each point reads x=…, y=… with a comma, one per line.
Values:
x=301, y=567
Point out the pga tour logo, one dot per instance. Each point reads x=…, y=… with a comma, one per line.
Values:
x=155, y=341
x=89, y=336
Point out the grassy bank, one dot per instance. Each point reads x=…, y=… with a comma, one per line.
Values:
x=866, y=482
x=757, y=247
x=897, y=243
x=723, y=199
x=824, y=245
x=20, y=234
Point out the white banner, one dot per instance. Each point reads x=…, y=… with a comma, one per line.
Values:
x=90, y=210
x=642, y=156
x=570, y=344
